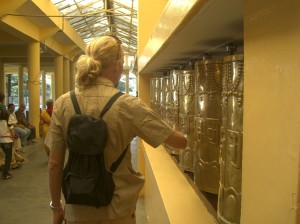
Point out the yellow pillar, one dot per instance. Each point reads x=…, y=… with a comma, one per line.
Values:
x=271, y=143
x=137, y=84
x=72, y=74
x=126, y=60
x=143, y=93
x=145, y=29
x=144, y=87
x=58, y=76
x=66, y=76
x=127, y=82
x=2, y=78
x=146, y=25
x=44, y=87
x=34, y=84
x=52, y=86
x=20, y=85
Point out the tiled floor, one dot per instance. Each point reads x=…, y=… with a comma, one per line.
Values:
x=24, y=199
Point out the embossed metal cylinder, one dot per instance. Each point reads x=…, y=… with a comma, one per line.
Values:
x=229, y=201
x=207, y=124
x=174, y=98
x=173, y=105
x=186, y=117
x=158, y=95
x=152, y=93
x=165, y=98
x=166, y=104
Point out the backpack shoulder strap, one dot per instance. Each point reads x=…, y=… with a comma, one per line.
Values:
x=75, y=102
x=110, y=103
x=116, y=164
x=105, y=109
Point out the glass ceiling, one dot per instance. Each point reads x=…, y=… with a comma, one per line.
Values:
x=93, y=18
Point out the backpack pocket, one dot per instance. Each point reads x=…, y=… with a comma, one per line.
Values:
x=81, y=190
x=92, y=191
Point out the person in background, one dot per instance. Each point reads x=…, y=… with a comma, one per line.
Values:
x=98, y=75
x=20, y=129
x=2, y=98
x=6, y=142
x=20, y=114
x=45, y=119
x=16, y=161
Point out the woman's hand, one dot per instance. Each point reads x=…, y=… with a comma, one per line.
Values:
x=12, y=133
x=58, y=216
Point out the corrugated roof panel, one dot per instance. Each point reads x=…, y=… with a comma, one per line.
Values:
x=93, y=18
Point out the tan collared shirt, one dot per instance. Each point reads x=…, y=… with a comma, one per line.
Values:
x=128, y=117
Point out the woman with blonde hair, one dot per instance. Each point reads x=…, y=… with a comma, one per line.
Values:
x=98, y=75
x=45, y=119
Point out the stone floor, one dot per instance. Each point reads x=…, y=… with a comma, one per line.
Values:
x=24, y=199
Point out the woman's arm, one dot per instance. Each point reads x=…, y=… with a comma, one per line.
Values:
x=55, y=170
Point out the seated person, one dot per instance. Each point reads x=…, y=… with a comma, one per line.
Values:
x=20, y=129
x=24, y=121
x=16, y=160
x=17, y=143
x=45, y=122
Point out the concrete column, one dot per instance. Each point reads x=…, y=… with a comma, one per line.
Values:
x=144, y=87
x=34, y=84
x=52, y=86
x=72, y=74
x=137, y=84
x=66, y=76
x=127, y=83
x=2, y=79
x=126, y=60
x=20, y=85
x=44, y=87
x=143, y=92
x=58, y=76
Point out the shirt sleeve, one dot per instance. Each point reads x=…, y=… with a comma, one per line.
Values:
x=10, y=119
x=146, y=123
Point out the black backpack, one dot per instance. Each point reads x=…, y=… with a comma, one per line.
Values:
x=85, y=178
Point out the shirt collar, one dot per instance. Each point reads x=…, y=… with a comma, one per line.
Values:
x=104, y=81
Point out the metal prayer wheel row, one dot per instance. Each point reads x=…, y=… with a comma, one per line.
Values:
x=206, y=104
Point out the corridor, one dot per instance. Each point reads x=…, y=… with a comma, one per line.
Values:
x=25, y=198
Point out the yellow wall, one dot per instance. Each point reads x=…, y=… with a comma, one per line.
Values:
x=271, y=111
x=170, y=198
x=271, y=147
x=149, y=13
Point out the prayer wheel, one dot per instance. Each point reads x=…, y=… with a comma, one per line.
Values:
x=186, y=117
x=172, y=105
x=165, y=99
x=152, y=93
x=174, y=98
x=231, y=143
x=207, y=124
x=158, y=95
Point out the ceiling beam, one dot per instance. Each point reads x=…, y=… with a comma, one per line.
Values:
x=10, y=6
x=110, y=18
